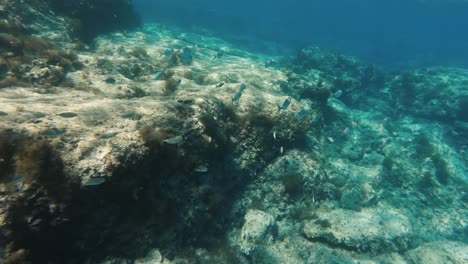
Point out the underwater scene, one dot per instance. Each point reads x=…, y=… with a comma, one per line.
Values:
x=184, y=131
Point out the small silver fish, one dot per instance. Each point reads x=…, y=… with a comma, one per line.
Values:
x=158, y=76
x=219, y=85
x=238, y=95
x=303, y=113
x=94, y=181
x=337, y=94
x=285, y=105
x=281, y=150
x=174, y=140
x=201, y=168
x=36, y=222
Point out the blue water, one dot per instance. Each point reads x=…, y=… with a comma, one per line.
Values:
x=394, y=34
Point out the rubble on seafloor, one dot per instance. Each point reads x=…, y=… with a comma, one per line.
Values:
x=144, y=148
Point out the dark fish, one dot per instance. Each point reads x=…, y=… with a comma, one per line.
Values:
x=286, y=104
x=218, y=55
x=167, y=53
x=94, y=181
x=3, y=113
x=68, y=114
x=110, y=80
x=303, y=113
x=269, y=63
x=242, y=87
x=186, y=56
x=219, y=85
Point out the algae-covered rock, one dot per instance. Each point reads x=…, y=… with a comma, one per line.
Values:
x=437, y=93
x=439, y=252
x=370, y=230
x=354, y=78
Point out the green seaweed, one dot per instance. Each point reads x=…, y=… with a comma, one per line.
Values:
x=39, y=163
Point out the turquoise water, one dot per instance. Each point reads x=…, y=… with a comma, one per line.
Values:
x=393, y=34
x=233, y=132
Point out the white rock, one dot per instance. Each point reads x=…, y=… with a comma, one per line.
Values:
x=439, y=252
x=258, y=229
x=372, y=229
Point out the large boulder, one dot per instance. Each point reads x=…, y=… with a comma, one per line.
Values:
x=370, y=230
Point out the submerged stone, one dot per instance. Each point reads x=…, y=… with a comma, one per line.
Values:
x=370, y=230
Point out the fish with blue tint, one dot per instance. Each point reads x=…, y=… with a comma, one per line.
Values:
x=337, y=94
x=186, y=56
x=285, y=105
x=218, y=55
x=238, y=95
x=303, y=113
x=167, y=53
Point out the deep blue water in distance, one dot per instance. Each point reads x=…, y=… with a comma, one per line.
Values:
x=394, y=34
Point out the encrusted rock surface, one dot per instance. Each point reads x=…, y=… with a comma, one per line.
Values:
x=439, y=252
x=376, y=230
x=258, y=229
